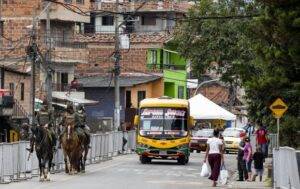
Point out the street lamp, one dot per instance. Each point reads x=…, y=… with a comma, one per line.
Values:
x=203, y=83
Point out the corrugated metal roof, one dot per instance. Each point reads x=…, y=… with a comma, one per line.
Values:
x=125, y=81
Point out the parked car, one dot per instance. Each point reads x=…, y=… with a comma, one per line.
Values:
x=232, y=138
x=199, y=139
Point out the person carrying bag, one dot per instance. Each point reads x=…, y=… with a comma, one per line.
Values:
x=214, y=155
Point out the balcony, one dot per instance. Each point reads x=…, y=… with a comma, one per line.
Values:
x=67, y=49
x=6, y=103
x=58, y=12
x=63, y=87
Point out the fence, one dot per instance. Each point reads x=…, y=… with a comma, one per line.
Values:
x=15, y=164
x=285, y=167
x=272, y=142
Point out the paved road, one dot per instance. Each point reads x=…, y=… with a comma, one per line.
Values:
x=125, y=172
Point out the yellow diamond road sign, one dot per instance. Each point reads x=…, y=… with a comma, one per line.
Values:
x=278, y=108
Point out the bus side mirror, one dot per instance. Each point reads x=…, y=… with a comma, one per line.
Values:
x=191, y=122
x=136, y=120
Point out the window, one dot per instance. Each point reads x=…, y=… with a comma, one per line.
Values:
x=1, y=32
x=128, y=99
x=148, y=21
x=153, y=57
x=12, y=88
x=107, y=20
x=68, y=1
x=22, y=91
x=80, y=1
x=141, y=95
x=180, y=92
x=166, y=58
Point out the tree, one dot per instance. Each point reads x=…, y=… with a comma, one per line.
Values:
x=260, y=53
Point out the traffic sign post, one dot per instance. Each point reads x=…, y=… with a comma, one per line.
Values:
x=278, y=108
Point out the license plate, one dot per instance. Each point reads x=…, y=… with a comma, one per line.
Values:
x=194, y=141
x=162, y=153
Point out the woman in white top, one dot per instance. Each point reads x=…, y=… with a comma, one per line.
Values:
x=214, y=154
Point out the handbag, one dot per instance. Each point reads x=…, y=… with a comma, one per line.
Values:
x=223, y=175
x=205, y=170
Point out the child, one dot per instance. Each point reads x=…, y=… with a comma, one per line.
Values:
x=258, y=158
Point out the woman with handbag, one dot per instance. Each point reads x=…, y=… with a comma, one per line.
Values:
x=214, y=155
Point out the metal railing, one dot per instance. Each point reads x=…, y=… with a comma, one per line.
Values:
x=272, y=142
x=19, y=111
x=15, y=164
x=285, y=168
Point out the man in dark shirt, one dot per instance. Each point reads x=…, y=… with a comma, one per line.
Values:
x=258, y=158
x=243, y=174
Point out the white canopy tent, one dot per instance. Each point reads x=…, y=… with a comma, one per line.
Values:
x=203, y=108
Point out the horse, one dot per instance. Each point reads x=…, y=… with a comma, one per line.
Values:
x=73, y=148
x=44, y=152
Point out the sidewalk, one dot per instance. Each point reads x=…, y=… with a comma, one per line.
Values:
x=251, y=185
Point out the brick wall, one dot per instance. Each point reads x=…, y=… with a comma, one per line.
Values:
x=216, y=93
x=100, y=60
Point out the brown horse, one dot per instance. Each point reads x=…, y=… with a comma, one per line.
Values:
x=73, y=147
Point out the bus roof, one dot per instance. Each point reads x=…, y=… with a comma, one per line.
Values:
x=164, y=102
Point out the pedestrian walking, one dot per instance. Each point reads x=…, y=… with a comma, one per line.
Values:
x=262, y=139
x=248, y=157
x=214, y=155
x=241, y=164
x=250, y=129
x=258, y=158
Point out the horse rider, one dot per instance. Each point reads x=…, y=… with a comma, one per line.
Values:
x=80, y=123
x=45, y=119
x=68, y=118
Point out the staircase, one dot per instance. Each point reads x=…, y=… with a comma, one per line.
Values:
x=19, y=113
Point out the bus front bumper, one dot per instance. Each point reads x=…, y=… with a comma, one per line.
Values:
x=154, y=153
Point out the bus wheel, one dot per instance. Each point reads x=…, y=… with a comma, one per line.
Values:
x=182, y=160
x=187, y=160
x=145, y=159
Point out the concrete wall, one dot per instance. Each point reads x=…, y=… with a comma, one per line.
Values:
x=175, y=78
x=153, y=90
x=105, y=108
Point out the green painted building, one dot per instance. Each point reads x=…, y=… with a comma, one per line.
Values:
x=174, y=71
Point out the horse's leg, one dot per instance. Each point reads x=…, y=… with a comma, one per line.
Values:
x=66, y=161
x=49, y=166
x=41, y=169
x=86, y=150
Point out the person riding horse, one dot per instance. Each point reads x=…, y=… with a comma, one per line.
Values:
x=80, y=123
x=45, y=119
x=79, y=118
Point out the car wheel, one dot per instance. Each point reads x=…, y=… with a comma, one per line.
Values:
x=191, y=150
x=144, y=159
x=198, y=151
x=187, y=160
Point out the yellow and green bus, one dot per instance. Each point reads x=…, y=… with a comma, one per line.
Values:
x=163, y=130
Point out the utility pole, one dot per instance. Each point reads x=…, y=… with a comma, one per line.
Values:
x=117, y=57
x=32, y=52
x=48, y=81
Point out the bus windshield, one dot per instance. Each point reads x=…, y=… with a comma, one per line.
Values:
x=166, y=122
